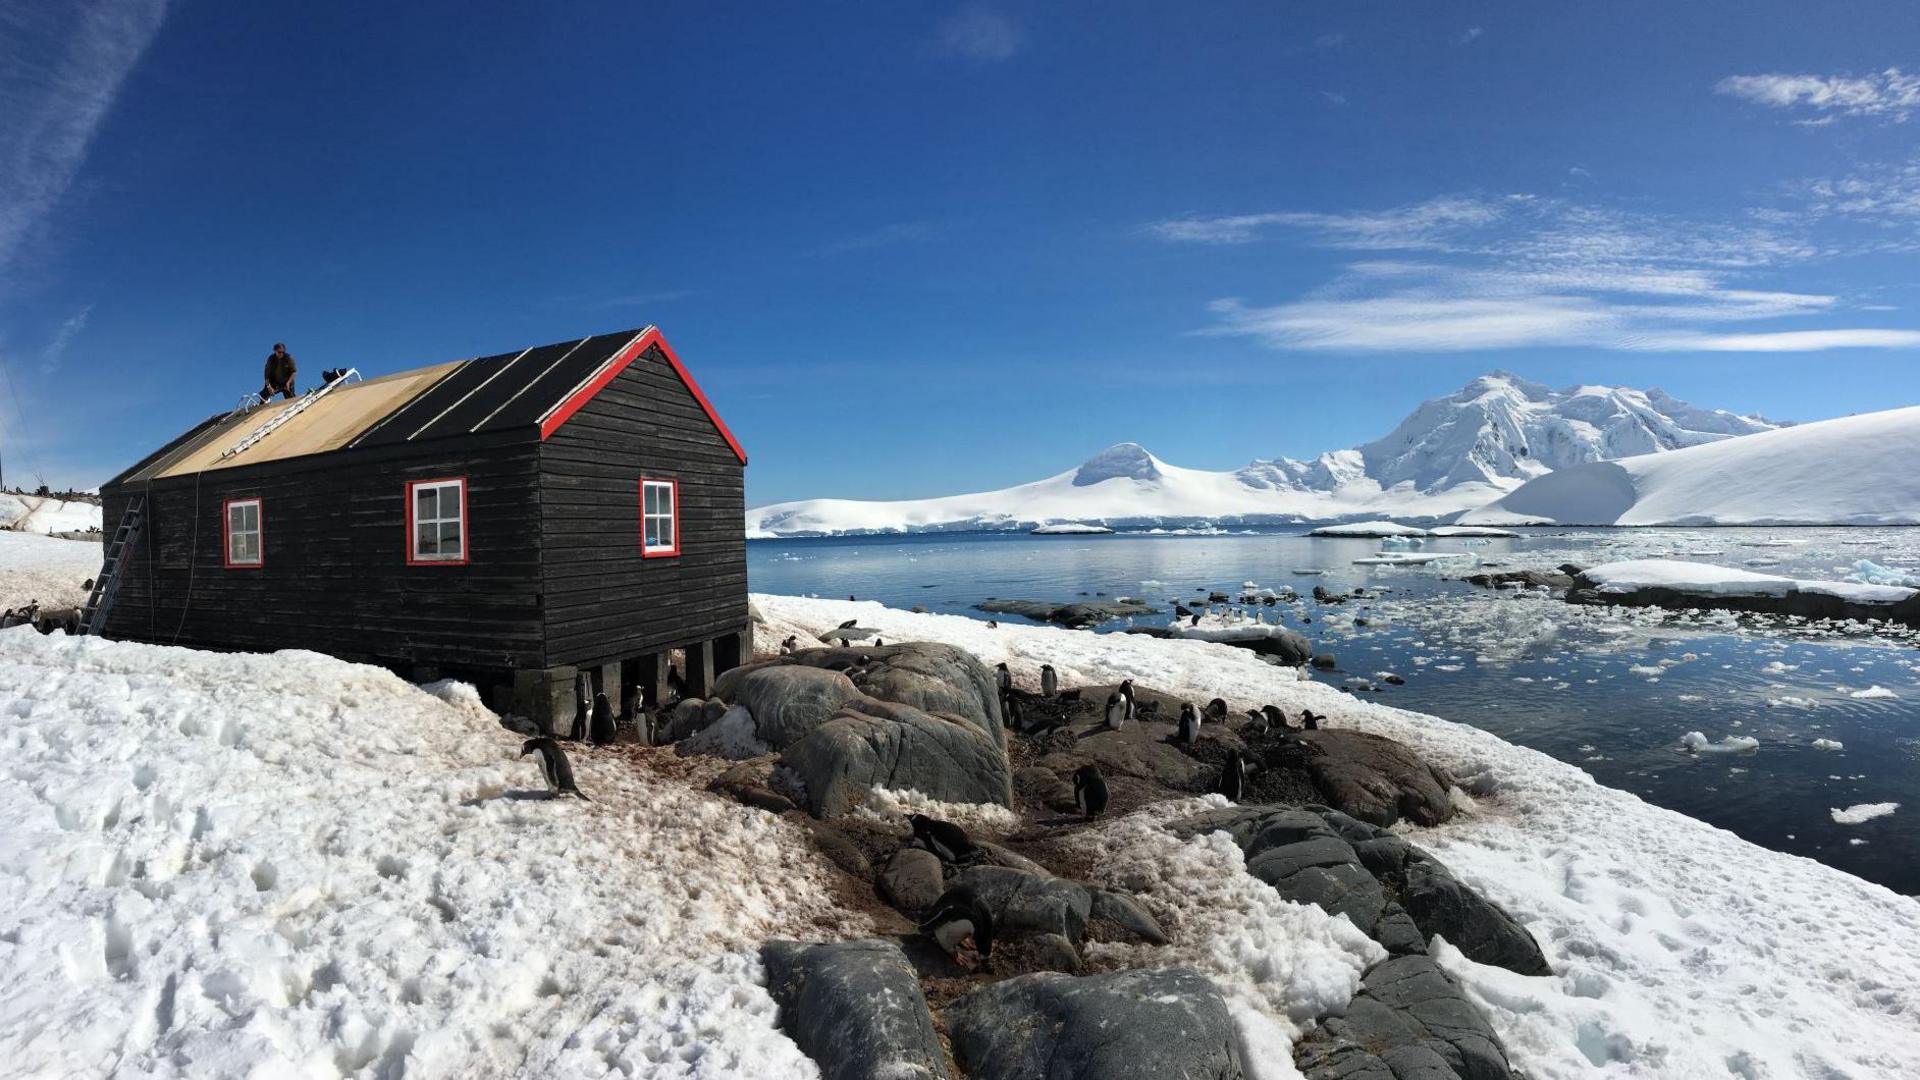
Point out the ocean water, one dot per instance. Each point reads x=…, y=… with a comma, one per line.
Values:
x=1611, y=690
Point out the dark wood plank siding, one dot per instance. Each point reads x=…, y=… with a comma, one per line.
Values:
x=604, y=601
x=336, y=578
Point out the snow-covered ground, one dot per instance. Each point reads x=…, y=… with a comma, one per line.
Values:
x=1708, y=580
x=287, y=865
x=1452, y=454
x=1682, y=951
x=1856, y=470
x=37, y=514
x=45, y=568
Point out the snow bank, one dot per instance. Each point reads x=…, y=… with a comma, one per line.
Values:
x=1856, y=470
x=1709, y=580
x=1409, y=558
x=1868, y=572
x=45, y=568
x=39, y=514
x=1445, y=531
x=1368, y=529
x=1854, y=815
x=288, y=865
x=1680, y=947
x=1071, y=528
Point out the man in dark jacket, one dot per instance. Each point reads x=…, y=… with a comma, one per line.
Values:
x=280, y=369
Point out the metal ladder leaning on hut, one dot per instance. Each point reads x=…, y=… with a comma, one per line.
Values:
x=100, y=602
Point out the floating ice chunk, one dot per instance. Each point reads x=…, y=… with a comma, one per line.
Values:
x=1873, y=692
x=1733, y=744
x=1859, y=812
x=1868, y=572
x=1828, y=744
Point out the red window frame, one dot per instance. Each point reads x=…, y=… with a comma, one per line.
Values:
x=673, y=486
x=466, y=549
x=226, y=533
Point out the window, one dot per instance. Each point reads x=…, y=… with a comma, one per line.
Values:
x=659, y=518
x=240, y=526
x=437, y=522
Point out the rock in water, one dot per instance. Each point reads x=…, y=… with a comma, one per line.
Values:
x=1125, y=1025
x=856, y=1009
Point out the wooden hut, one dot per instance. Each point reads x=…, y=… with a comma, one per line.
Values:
x=518, y=520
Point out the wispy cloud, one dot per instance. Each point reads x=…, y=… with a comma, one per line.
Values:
x=1333, y=98
x=1524, y=271
x=55, y=353
x=899, y=232
x=976, y=32
x=1890, y=193
x=1472, y=35
x=61, y=68
x=1328, y=41
x=1890, y=95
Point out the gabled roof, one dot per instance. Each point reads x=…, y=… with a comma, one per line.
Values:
x=535, y=389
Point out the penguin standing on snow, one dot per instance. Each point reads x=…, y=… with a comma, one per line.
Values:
x=553, y=766
x=943, y=838
x=1189, y=723
x=962, y=928
x=1090, y=790
x=1233, y=776
x=1116, y=711
x=600, y=729
x=1049, y=682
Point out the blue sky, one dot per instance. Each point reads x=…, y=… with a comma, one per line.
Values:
x=918, y=248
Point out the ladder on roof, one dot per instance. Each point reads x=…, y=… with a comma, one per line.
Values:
x=299, y=406
x=100, y=602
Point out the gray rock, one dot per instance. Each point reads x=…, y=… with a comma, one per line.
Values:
x=1398, y=933
x=1376, y=779
x=1020, y=902
x=787, y=700
x=1326, y=872
x=872, y=744
x=1325, y=661
x=1044, y=786
x=912, y=880
x=689, y=716
x=1166, y=1024
x=1126, y=913
x=991, y=854
x=1409, y=1013
x=931, y=677
x=1441, y=904
x=856, y=1009
x=1052, y=952
x=1073, y=616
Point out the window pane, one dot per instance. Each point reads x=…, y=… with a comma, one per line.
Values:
x=425, y=540
x=426, y=503
x=250, y=516
x=652, y=500
x=653, y=532
x=250, y=547
x=666, y=532
x=450, y=538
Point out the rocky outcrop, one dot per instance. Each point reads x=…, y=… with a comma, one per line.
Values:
x=787, y=700
x=1545, y=579
x=931, y=677
x=1410, y=1021
x=912, y=880
x=870, y=744
x=1377, y=779
x=1021, y=902
x=1164, y=1024
x=1799, y=602
x=1072, y=616
x=856, y=1009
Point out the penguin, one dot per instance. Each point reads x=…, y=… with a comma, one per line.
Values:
x=1189, y=723
x=1195, y=621
x=790, y=646
x=1003, y=678
x=1217, y=710
x=600, y=729
x=1309, y=721
x=1233, y=776
x=1090, y=790
x=1011, y=714
x=1049, y=682
x=582, y=707
x=992, y=625
x=553, y=766
x=1181, y=611
x=962, y=928
x=1275, y=718
x=676, y=682
x=943, y=838
x=877, y=643
x=1116, y=711
x=1126, y=691
x=1257, y=722
x=850, y=623
x=87, y=585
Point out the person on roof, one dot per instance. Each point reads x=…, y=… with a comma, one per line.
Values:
x=280, y=369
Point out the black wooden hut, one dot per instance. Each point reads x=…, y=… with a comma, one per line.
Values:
x=518, y=520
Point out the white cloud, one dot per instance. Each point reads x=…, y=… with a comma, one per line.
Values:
x=1328, y=41
x=1523, y=271
x=978, y=33
x=899, y=232
x=61, y=68
x=1333, y=98
x=1891, y=94
x=1473, y=34
x=55, y=353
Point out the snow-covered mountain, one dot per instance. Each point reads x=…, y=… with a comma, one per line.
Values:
x=1452, y=454
x=1856, y=470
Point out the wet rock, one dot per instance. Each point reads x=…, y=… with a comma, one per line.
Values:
x=1377, y=779
x=912, y=880
x=1325, y=661
x=1168, y=1024
x=1541, y=578
x=872, y=744
x=787, y=700
x=1073, y=616
x=856, y=1009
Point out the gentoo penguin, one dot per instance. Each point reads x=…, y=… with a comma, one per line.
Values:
x=676, y=682
x=1090, y=791
x=1126, y=691
x=1195, y=621
x=1217, y=710
x=790, y=646
x=1011, y=714
x=1189, y=723
x=1275, y=718
x=962, y=928
x=1049, y=682
x=1116, y=711
x=943, y=838
x=1257, y=722
x=582, y=706
x=600, y=729
x=1233, y=776
x=1002, y=677
x=992, y=625
x=553, y=766
x=1310, y=721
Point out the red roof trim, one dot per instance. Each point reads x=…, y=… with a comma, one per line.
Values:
x=648, y=337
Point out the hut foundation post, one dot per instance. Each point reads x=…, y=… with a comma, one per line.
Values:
x=548, y=697
x=731, y=650
x=700, y=669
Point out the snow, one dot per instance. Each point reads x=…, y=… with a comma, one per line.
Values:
x=1368, y=529
x=288, y=865
x=39, y=514
x=1855, y=470
x=1868, y=572
x=733, y=737
x=1668, y=965
x=1706, y=579
x=1445, y=531
x=45, y=568
x=1070, y=528
x=1854, y=815
x=1731, y=744
x=1873, y=692
x=1450, y=455
x=1408, y=558
x=1828, y=744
